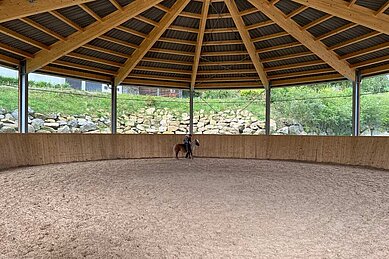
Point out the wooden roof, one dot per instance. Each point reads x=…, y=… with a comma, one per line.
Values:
x=200, y=43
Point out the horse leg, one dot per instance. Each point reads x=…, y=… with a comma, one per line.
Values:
x=176, y=150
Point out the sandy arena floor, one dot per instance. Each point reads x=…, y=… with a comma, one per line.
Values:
x=163, y=208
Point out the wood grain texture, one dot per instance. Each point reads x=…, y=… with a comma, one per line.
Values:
x=39, y=149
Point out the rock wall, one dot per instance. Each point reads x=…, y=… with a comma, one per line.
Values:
x=145, y=121
x=164, y=121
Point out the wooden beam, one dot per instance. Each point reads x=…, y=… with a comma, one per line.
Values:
x=167, y=61
x=90, y=12
x=42, y=28
x=9, y=60
x=317, y=21
x=15, y=51
x=354, y=13
x=279, y=47
x=371, y=62
x=172, y=52
x=239, y=23
x=74, y=73
x=163, y=70
x=226, y=63
x=229, y=79
x=66, y=20
x=116, y=4
x=93, y=31
x=295, y=65
x=227, y=72
x=23, y=38
x=307, y=80
x=149, y=82
x=162, y=78
x=200, y=39
x=14, y=9
x=148, y=43
x=83, y=67
x=222, y=42
x=383, y=8
x=305, y=38
x=303, y=73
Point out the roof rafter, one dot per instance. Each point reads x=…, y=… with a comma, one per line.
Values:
x=250, y=47
x=93, y=31
x=383, y=8
x=354, y=13
x=200, y=39
x=148, y=43
x=10, y=10
x=305, y=38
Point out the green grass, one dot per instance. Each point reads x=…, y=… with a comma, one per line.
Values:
x=71, y=102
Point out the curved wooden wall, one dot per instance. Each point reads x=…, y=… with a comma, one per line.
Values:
x=38, y=149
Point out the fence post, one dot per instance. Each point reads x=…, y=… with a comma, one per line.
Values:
x=268, y=99
x=356, y=117
x=23, y=98
x=191, y=110
x=114, y=94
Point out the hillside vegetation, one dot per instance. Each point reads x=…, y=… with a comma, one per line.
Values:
x=320, y=109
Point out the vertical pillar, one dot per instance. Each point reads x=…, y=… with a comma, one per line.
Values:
x=23, y=98
x=191, y=110
x=356, y=117
x=267, y=122
x=83, y=85
x=114, y=102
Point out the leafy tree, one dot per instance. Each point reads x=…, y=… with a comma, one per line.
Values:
x=377, y=84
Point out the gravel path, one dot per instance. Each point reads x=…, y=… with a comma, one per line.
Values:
x=167, y=208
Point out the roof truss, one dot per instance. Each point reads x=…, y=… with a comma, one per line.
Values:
x=227, y=60
x=148, y=43
x=305, y=38
x=351, y=12
x=93, y=31
x=200, y=39
x=12, y=9
x=247, y=41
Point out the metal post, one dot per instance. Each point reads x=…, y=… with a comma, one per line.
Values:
x=114, y=102
x=356, y=118
x=191, y=110
x=23, y=98
x=267, y=122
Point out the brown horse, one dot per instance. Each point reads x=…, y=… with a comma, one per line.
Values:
x=181, y=147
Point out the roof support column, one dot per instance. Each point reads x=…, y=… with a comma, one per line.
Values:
x=114, y=102
x=268, y=99
x=23, y=98
x=191, y=109
x=356, y=118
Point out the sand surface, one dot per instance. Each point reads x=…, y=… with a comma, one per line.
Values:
x=212, y=208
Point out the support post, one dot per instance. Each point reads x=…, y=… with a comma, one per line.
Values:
x=23, y=98
x=356, y=117
x=191, y=110
x=268, y=99
x=114, y=97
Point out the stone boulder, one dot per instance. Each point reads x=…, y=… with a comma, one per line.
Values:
x=7, y=129
x=88, y=126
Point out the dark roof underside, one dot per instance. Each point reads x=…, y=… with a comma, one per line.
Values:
x=224, y=61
